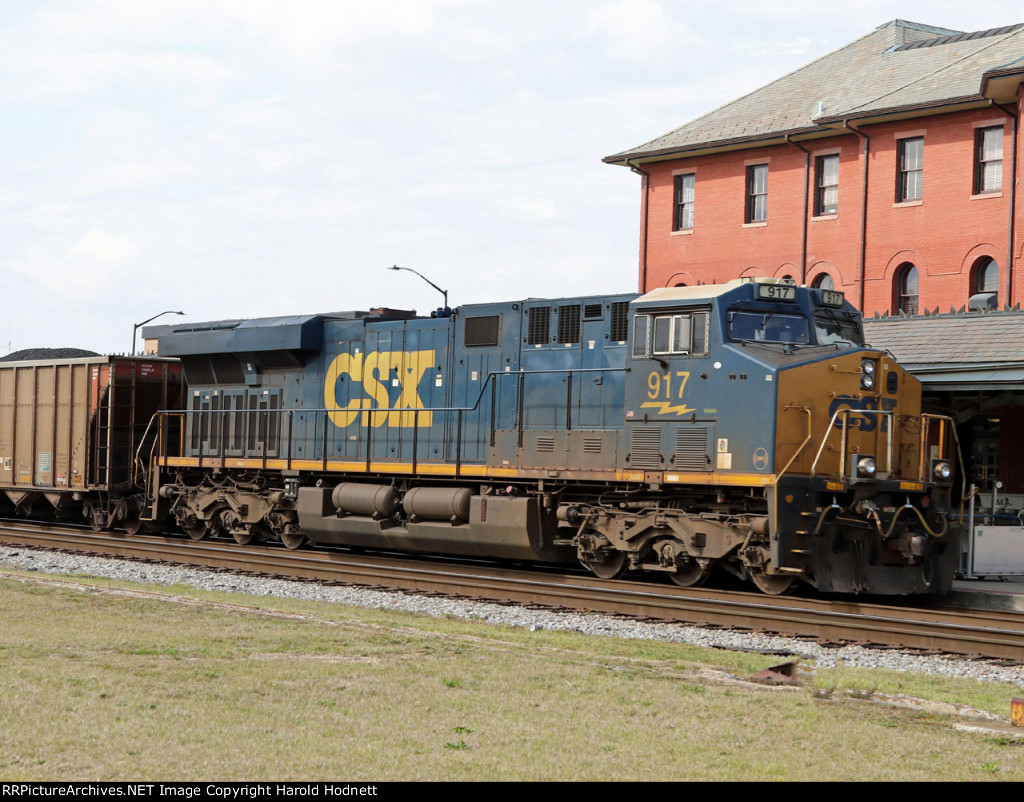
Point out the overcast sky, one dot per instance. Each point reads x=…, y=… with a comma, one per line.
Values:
x=247, y=158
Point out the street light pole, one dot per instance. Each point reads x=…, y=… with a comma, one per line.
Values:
x=138, y=326
x=431, y=283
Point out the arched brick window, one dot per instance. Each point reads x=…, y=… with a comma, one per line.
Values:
x=906, y=289
x=823, y=281
x=986, y=276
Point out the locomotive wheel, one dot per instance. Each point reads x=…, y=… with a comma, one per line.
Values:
x=243, y=537
x=773, y=585
x=292, y=542
x=690, y=574
x=133, y=525
x=196, y=529
x=612, y=566
x=253, y=533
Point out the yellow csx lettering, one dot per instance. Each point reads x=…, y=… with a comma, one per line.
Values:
x=374, y=372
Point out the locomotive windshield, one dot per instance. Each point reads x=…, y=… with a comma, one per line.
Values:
x=768, y=327
x=832, y=328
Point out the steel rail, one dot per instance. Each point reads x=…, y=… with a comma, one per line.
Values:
x=935, y=629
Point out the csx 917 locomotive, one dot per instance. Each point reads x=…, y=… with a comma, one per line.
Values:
x=743, y=426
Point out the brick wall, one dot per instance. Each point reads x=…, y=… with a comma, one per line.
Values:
x=943, y=235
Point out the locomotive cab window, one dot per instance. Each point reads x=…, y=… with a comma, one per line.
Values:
x=836, y=328
x=671, y=334
x=768, y=327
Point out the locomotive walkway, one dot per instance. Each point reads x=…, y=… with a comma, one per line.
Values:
x=930, y=627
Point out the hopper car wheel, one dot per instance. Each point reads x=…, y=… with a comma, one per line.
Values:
x=132, y=523
x=292, y=542
x=611, y=566
x=690, y=574
x=196, y=529
x=97, y=518
x=773, y=585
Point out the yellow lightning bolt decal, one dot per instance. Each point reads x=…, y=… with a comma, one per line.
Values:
x=665, y=408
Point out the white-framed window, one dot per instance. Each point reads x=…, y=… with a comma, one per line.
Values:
x=685, y=186
x=757, y=193
x=910, y=173
x=826, y=194
x=988, y=160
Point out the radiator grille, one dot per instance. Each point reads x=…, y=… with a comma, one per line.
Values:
x=645, y=448
x=620, y=321
x=540, y=325
x=691, y=449
x=569, y=324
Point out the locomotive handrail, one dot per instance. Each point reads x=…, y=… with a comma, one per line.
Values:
x=476, y=404
x=925, y=418
x=956, y=440
x=810, y=435
x=489, y=383
x=845, y=412
x=137, y=461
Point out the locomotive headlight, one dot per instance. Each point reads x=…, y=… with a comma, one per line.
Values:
x=866, y=466
x=942, y=470
x=867, y=374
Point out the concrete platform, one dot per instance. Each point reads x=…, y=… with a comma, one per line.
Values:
x=990, y=593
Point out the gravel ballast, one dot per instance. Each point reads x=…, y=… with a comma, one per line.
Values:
x=52, y=562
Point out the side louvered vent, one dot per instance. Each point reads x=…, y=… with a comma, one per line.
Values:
x=620, y=321
x=539, y=326
x=545, y=445
x=645, y=448
x=591, y=445
x=691, y=449
x=569, y=324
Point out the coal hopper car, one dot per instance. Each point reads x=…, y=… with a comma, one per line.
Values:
x=74, y=434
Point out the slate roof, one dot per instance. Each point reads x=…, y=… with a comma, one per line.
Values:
x=973, y=341
x=899, y=66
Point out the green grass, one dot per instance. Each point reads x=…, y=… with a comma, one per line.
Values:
x=97, y=685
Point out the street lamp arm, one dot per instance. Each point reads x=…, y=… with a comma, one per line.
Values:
x=138, y=326
x=431, y=283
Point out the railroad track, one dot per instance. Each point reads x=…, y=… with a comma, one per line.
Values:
x=936, y=629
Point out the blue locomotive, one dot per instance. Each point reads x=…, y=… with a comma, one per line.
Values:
x=742, y=425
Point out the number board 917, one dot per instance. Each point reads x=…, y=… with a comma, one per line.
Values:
x=776, y=292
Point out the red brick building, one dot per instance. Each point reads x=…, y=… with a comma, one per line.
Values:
x=887, y=169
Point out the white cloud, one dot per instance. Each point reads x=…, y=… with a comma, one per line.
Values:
x=125, y=175
x=645, y=32
x=91, y=268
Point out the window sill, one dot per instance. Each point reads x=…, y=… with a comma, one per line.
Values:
x=902, y=204
x=825, y=217
x=983, y=195
x=758, y=224
x=682, y=232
